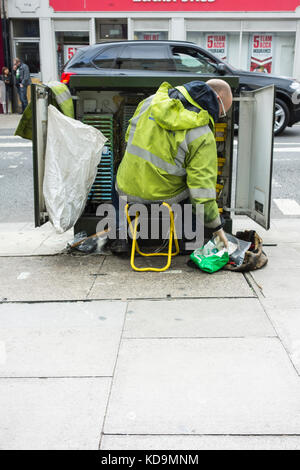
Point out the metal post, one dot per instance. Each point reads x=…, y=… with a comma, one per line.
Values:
x=241, y=45
x=7, y=58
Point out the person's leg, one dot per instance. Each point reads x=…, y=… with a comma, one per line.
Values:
x=9, y=103
x=192, y=227
x=23, y=97
x=19, y=94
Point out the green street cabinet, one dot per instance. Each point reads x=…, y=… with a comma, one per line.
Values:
x=244, y=157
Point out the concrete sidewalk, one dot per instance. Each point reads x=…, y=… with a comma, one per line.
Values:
x=94, y=355
x=9, y=121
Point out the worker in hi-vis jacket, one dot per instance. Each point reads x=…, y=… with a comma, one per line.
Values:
x=171, y=152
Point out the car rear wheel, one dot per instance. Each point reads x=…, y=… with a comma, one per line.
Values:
x=282, y=116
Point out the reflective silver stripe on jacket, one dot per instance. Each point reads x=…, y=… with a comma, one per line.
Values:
x=155, y=160
x=194, y=134
x=203, y=193
x=64, y=96
x=179, y=197
x=191, y=135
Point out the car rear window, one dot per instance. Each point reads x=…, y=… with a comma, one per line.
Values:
x=144, y=57
x=79, y=59
x=106, y=58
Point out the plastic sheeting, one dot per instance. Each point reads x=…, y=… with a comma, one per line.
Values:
x=73, y=153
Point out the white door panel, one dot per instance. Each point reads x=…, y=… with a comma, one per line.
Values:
x=255, y=155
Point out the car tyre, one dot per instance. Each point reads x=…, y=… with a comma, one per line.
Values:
x=282, y=116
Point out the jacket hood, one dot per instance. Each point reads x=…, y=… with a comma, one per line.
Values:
x=184, y=107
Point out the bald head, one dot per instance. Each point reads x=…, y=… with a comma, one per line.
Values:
x=223, y=92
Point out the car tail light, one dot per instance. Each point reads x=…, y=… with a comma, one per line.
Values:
x=65, y=77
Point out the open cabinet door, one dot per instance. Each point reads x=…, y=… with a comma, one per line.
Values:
x=255, y=155
x=40, y=99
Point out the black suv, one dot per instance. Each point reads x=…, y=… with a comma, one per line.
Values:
x=177, y=58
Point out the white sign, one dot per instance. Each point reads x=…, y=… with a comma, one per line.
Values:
x=217, y=45
x=27, y=6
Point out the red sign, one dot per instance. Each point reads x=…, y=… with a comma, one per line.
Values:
x=216, y=44
x=173, y=5
x=69, y=51
x=261, y=55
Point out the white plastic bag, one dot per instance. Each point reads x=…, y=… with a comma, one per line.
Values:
x=72, y=154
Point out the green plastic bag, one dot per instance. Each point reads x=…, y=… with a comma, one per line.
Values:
x=210, y=257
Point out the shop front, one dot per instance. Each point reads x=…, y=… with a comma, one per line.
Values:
x=261, y=36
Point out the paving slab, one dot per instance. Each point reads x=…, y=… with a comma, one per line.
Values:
x=197, y=318
x=287, y=324
x=13, y=227
x=279, y=285
x=52, y=414
x=23, y=239
x=9, y=121
x=200, y=443
x=60, y=339
x=204, y=386
x=117, y=280
x=283, y=256
x=62, y=277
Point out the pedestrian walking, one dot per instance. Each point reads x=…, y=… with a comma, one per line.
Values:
x=6, y=90
x=22, y=80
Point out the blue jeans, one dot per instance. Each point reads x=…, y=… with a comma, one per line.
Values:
x=22, y=92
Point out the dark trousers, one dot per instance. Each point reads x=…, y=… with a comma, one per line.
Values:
x=22, y=92
x=120, y=226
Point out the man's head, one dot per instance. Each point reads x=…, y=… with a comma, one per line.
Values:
x=17, y=62
x=223, y=92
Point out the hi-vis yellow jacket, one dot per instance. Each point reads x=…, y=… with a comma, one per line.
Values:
x=62, y=100
x=63, y=97
x=171, y=150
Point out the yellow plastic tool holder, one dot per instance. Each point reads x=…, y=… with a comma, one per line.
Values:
x=220, y=210
x=219, y=187
x=221, y=161
x=135, y=246
x=221, y=132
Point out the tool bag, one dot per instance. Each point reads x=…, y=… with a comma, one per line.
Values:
x=255, y=257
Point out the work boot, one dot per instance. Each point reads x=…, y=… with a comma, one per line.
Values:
x=182, y=248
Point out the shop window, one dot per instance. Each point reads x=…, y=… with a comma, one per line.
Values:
x=110, y=29
x=151, y=35
x=225, y=46
x=113, y=31
x=107, y=58
x=26, y=28
x=192, y=61
x=139, y=57
x=272, y=53
x=29, y=53
x=196, y=37
x=67, y=44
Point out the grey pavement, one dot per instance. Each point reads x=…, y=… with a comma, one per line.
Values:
x=96, y=356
